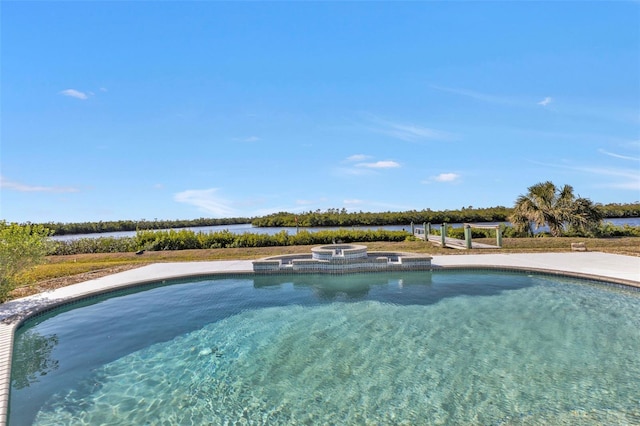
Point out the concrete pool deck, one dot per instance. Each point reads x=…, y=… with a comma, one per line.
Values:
x=592, y=265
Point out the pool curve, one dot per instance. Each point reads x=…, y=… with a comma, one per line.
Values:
x=602, y=267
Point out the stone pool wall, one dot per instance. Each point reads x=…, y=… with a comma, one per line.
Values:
x=342, y=258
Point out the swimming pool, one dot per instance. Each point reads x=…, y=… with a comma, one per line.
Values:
x=442, y=347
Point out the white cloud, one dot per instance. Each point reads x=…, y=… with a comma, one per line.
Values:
x=597, y=110
x=627, y=178
x=379, y=206
x=74, y=94
x=484, y=97
x=388, y=164
x=352, y=202
x=358, y=157
x=206, y=200
x=630, y=178
x=351, y=171
x=633, y=185
x=622, y=157
x=447, y=177
x=248, y=139
x=20, y=187
x=412, y=133
x=546, y=101
x=516, y=101
x=443, y=177
x=302, y=203
x=361, y=168
x=406, y=132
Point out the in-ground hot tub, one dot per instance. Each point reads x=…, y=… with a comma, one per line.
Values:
x=342, y=258
x=339, y=251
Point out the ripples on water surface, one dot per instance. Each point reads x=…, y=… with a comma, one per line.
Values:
x=393, y=348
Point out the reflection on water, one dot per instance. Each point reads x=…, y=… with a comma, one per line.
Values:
x=27, y=370
x=398, y=288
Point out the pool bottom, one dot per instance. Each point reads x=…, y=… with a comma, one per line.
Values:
x=540, y=354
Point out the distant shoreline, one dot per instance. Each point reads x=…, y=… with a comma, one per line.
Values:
x=271, y=230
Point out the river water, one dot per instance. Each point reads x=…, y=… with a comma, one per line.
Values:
x=248, y=228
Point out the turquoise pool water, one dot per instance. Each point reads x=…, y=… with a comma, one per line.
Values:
x=387, y=348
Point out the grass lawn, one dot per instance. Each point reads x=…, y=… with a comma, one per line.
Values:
x=60, y=271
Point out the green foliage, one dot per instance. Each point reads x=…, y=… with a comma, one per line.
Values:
x=340, y=217
x=135, y=225
x=40, y=362
x=584, y=217
x=219, y=239
x=92, y=245
x=608, y=229
x=330, y=217
x=21, y=248
x=458, y=232
x=186, y=239
x=547, y=205
x=167, y=240
x=616, y=210
x=513, y=232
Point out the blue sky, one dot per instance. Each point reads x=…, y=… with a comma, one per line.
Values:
x=179, y=110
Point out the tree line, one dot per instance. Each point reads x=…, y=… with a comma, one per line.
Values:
x=186, y=239
x=330, y=217
x=59, y=228
x=340, y=217
x=23, y=246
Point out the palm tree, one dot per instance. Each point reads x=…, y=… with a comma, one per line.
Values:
x=544, y=204
x=585, y=216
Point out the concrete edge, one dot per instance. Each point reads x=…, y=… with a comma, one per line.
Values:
x=543, y=271
x=9, y=324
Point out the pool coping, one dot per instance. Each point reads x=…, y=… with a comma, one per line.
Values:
x=595, y=266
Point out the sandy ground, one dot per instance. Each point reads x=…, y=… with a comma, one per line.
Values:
x=55, y=283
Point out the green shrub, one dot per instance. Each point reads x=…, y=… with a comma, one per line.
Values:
x=608, y=229
x=185, y=239
x=220, y=239
x=188, y=239
x=93, y=245
x=21, y=248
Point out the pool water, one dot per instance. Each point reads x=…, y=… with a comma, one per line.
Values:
x=435, y=348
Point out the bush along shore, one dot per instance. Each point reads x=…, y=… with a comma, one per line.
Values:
x=190, y=240
x=330, y=217
x=81, y=260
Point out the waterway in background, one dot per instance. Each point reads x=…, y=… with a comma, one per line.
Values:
x=291, y=230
